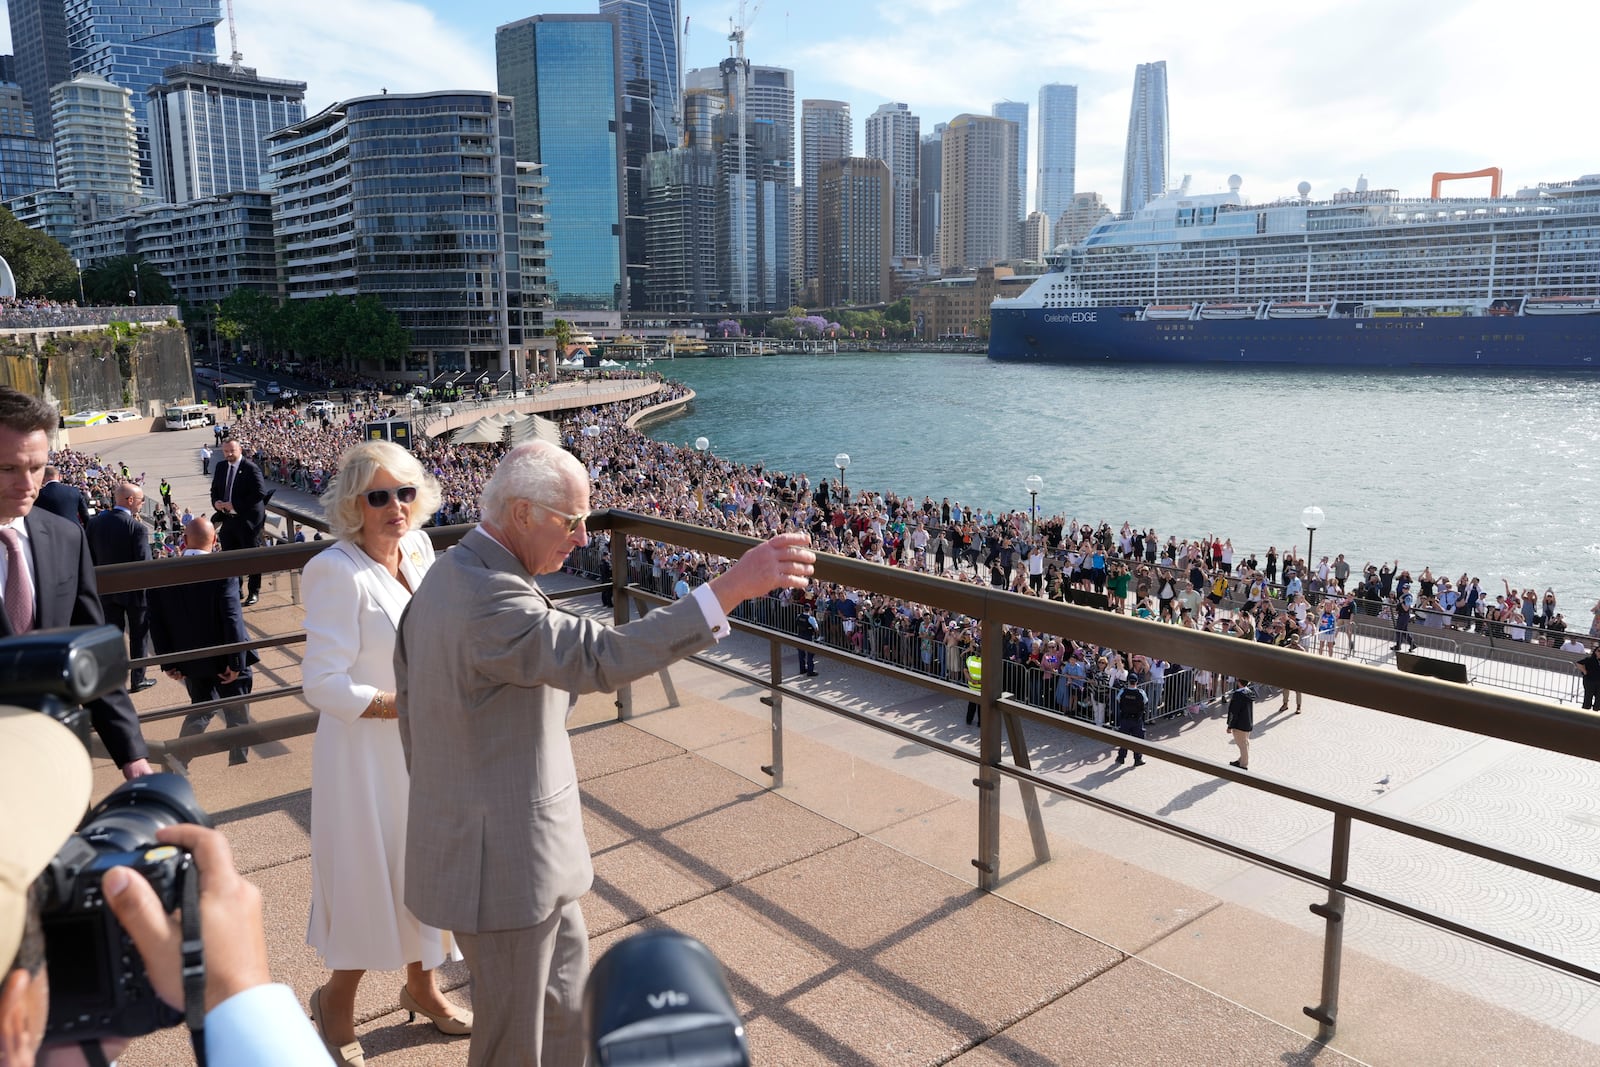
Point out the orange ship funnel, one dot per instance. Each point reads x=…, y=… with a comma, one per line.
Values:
x=1492, y=173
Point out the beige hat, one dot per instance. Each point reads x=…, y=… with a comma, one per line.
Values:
x=44, y=789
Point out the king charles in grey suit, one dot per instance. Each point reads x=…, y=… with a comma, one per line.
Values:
x=485, y=669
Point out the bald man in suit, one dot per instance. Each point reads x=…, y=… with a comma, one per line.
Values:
x=486, y=669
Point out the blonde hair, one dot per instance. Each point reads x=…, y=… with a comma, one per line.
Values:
x=342, y=504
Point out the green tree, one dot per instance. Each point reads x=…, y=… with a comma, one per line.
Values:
x=797, y=312
x=899, y=311
x=373, y=333
x=248, y=315
x=41, y=266
x=111, y=280
x=561, y=330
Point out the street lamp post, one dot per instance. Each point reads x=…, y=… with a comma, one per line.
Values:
x=83, y=301
x=1035, y=485
x=842, y=461
x=701, y=444
x=138, y=290
x=1311, y=518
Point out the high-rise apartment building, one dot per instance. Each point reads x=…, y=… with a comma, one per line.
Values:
x=930, y=182
x=647, y=36
x=1058, y=148
x=97, y=150
x=825, y=134
x=855, y=231
x=208, y=128
x=442, y=250
x=680, y=187
x=39, y=39
x=1017, y=111
x=893, y=135
x=978, y=223
x=131, y=42
x=1147, y=162
x=564, y=73
x=1074, y=224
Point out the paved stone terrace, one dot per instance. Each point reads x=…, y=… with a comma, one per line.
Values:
x=844, y=904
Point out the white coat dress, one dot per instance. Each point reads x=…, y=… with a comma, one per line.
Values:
x=359, y=782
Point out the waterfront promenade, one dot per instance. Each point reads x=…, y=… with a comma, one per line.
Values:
x=1412, y=996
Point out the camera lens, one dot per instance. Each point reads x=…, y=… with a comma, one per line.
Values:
x=127, y=820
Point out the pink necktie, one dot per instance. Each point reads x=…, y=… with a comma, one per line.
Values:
x=19, y=589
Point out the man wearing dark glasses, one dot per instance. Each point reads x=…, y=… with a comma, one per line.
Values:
x=486, y=669
x=239, y=494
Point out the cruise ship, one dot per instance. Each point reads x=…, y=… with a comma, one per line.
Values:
x=1366, y=279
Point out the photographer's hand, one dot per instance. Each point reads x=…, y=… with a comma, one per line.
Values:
x=230, y=921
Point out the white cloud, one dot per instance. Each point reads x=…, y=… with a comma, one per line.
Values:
x=360, y=47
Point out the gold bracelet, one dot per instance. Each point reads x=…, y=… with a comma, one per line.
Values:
x=383, y=710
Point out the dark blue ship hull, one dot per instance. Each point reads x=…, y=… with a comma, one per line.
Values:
x=1116, y=335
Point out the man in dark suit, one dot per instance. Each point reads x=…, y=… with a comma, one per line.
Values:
x=46, y=573
x=196, y=615
x=239, y=492
x=119, y=536
x=62, y=499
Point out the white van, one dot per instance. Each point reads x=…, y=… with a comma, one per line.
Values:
x=187, y=416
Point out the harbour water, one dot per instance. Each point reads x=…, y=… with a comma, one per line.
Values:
x=1490, y=474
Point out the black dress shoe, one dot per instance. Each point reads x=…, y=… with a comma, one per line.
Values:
x=139, y=687
x=251, y=599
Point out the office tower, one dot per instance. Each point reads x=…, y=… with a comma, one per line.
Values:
x=1081, y=216
x=855, y=230
x=647, y=34
x=769, y=97
x=97, y=151
x=564, y=72
x=208, y=128
x=1146, y=164
x=1058, y=147
x=893, y=136
x=978, y=223
x=131, y=42
x=1017, y=111
x=754, y=183
x=680, y=205
x=441, y=250
x=27, y=162
x=39, y=40
x=930, y=180
x=825, y=133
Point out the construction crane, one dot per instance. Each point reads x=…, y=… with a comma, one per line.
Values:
x=234, y=58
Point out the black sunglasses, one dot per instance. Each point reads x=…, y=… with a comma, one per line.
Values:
x=379, y=498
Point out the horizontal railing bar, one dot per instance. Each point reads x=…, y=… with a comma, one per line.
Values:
x=174, y=711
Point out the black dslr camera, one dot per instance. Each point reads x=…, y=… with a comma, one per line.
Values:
x=660, y=999
x=98, y=985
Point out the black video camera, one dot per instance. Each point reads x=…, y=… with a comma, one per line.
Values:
x=659, y=999
x=98, y=985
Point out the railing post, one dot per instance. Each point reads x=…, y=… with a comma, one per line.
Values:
x=774, y=700
x=988, y=780
x=620, y=612
x=1332, y=914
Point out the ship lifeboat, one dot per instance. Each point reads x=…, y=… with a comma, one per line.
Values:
x=1299, y=309
x=1561, y=305
x=1228, y=311
x=1157, y=312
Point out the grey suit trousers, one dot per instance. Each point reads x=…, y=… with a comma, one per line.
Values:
x=527, y=993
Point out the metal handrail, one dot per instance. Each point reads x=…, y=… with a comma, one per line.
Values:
x=1540, y=725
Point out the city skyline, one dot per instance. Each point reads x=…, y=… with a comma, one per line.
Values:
x=1278, y=95
x=1320, y=93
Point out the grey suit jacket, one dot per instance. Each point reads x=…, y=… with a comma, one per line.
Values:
x=484, y=667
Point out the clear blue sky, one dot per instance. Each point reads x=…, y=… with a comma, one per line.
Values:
x=1277, y=92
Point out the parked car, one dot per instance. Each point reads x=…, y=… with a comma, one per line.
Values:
x=320, y=409
x=124, y=415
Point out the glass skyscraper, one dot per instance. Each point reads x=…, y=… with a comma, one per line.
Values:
x=27, y=162
x=652, y=101
x=209, y=124
x=1147, y=162
x=825, y=134
x=1058, y=148
x=564, y=72
x=131, y=42
x=39, y=39
x=1017, y=111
